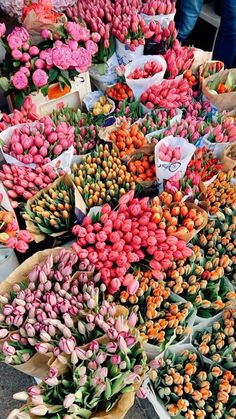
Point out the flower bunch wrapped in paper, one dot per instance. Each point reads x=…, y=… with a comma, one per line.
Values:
x=163, y=318
x=100, y=383
x=50, y=305
x=126, y=236
x=28, y=68
x=55, y=209
x=188, y=387
x=203, y=281
x=217, y=340
x=101, y=177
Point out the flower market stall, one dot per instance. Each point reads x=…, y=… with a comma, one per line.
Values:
x=118, y=209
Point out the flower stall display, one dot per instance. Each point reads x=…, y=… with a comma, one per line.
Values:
x=140, y=178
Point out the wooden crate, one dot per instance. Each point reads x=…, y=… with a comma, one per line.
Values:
x=73, y=98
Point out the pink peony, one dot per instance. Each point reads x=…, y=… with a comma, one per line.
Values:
x=46, y=55
x=2, y=29
x=16, y=54
x=72, y=44
x=61, y=57
x=17, y=38
x=46, y=34
x=39, y=63
x=40, y=78
x=77, y=32
x=33, y=50
x=91, y=47
x=82, y=59
x=19, y=80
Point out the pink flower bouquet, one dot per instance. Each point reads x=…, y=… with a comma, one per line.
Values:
x=28, y=68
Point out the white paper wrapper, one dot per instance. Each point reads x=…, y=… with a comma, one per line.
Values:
x=165, y=170
x=125, y=55
x=164, y=20
x=102, y=81
x=216, y=148
x=140, y=85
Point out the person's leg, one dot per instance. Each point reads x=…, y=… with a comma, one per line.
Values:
x=186, y=16
x=225, y=45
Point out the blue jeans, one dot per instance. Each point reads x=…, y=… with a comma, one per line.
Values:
x=186, y=16
x=225, y=45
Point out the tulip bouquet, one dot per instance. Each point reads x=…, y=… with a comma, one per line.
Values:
x=189, y=387
x=142, y=166
x=85, y=132
x=10, y=235
x=201, y=168
x=218, y=240
x=158, y=7
x=27, y=113
x=217, y=340
x=178, y=59
x=189, y=128
x=124, y=236
x=101, y=177
x=179, y=219
x=129, y=28
x=98, y=16
x=127, y=138
x=149, y=69
x=21, y=183
x=28, y=68
x=221, y=133
x=167, y=94
x=159, y=39
x=129, y=111
x=157, y=120
x=120, y=91
x=162, y=318
x=202, y=281
x=39, y=143
x=104, y=372
x=52, y=210
x=221, y=194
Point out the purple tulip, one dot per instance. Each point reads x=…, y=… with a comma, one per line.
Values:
x=81, y=354
x=115, y=359
x=92, y=365
x=101, y=357
x=68, y=401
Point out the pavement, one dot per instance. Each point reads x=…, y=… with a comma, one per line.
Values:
x=13, y=381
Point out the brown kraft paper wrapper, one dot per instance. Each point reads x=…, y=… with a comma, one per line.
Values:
x=223, y=101
x=227, y=162
x=121, y=408
x=79, y=203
